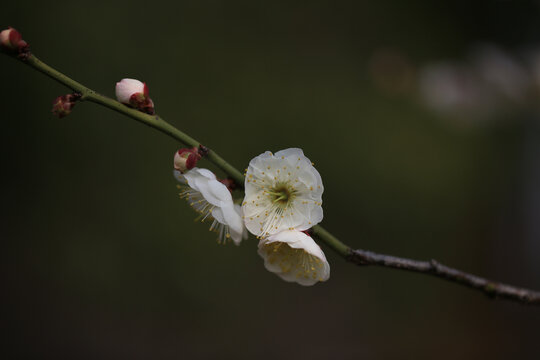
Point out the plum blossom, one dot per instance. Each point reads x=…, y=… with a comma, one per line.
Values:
x=213, y=201
x=294, y=257
x=283, y=192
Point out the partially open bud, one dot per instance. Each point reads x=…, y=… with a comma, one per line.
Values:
x=186, y=159
x=134, y=93
x=11, y=40
x=63, y=105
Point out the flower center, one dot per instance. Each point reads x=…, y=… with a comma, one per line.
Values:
x=282, y=194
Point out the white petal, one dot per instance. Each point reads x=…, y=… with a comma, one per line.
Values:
x=192, y=178
x=205, y=172
x=294, y=152
x=215, y=193
x=258, y=162
x=281, y=258
x=127, y=87
x=233, y=219
x=217, y=213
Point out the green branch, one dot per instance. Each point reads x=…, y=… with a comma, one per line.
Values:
x=359, y=257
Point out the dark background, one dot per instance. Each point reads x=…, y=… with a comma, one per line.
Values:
x=102, y=260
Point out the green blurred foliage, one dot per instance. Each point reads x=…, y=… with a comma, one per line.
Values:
x=102, y=260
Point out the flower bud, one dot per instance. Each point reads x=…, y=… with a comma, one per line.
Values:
x=134, y=93
x=63, y=105
x=11, y=40
x=186, y=159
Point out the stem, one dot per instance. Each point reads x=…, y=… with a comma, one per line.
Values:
x=358, y=257
x=151, y=120
x=434, y=268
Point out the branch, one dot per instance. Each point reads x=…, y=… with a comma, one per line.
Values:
x=359, y=257
x=151, y=120
x=434, y=268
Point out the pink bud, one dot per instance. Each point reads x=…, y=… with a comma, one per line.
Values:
x=186, y=159
x=127, y=87
x=63, y=105
x=11, y=40
x=134, y=93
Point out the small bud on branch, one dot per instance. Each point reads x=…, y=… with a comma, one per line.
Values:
x=63, y=105
x=186, y=159
x=11, y=41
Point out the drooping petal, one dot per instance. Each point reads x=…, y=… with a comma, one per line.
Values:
x=206, y=173
x=217, y=193
x=233, y=218
x=213, y=201
x=295, y=257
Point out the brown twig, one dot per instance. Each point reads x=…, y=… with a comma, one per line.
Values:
x=434, y=268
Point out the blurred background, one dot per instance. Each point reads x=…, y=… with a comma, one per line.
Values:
x=421, y=116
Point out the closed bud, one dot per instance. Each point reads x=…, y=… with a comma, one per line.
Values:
x=63, y=105
x=11, y=40
x=134, y=93
x=186, y=159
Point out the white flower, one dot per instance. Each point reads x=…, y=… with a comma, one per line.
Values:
x=283, y=192
x=126, y=88
x=213, y=201
x=294, y=257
